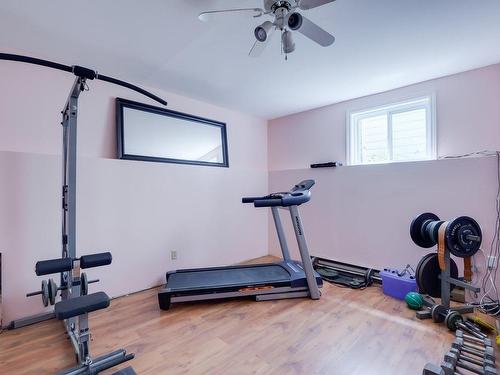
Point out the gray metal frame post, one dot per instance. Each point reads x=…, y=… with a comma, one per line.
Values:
x=304, y=253
x=281, y=234
x=69, y=153
x=100, y=363
x=445, y=280
x=69, y=159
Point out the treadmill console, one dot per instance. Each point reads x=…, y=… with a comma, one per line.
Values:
x=298, y=195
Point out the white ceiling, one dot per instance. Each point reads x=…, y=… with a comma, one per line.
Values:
x=380, y=45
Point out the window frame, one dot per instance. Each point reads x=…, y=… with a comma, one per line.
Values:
x=353, y=138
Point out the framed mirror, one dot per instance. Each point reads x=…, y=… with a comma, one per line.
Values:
x=157, y=134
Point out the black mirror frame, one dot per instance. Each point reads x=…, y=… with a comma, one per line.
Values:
x=125, y=103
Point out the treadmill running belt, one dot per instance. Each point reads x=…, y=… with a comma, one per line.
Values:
x=245, y=276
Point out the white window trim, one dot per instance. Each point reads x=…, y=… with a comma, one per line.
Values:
x=352, y=132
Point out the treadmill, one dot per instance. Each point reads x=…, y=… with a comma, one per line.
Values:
x=262, y=282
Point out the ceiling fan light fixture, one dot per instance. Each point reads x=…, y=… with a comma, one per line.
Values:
x=287, y=41
x=262, y=31
x=295, y=21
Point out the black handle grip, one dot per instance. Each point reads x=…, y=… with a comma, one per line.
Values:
x=268, y=202
x=249, y=199
x=95, y=260
x=46, y=267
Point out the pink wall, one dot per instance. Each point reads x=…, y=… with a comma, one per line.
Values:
x=139, y=211
x=468, y=119
x=361, y=214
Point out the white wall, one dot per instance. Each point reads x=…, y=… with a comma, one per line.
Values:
x=361, y=214
x=139, y=211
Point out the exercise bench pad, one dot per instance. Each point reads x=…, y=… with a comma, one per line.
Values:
x=81, y=305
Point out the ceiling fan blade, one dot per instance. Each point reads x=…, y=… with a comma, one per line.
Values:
x=211, y=14
x=309, y=4
x=259, y=47
x=315, y=33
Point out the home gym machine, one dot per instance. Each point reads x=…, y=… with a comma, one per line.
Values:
x=263, y=282
x=76, y=303
x=437, y=273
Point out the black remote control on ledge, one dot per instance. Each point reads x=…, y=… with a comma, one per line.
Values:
x=330, y=164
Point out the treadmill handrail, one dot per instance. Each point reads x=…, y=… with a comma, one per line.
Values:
x=298, y=195
x=273, y=202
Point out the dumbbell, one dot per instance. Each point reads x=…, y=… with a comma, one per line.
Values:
x=451, y=318
x=456, y=361
x=463, y=235
x=479, y=362
x=487, y=352
x=432, y=369
x=449, y=369
x=474, y=339
x=479, y=346
x=444, y=369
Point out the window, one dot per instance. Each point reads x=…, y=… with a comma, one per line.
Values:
x=393, y=133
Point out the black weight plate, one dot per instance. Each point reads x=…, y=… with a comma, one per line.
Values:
x=84, y=284
x=417, y=272
x=45, y=293
x=438, y=313
x=451, y=320
x=416, y=230
x=52, y=291
x=429, y=275
x=456, y=241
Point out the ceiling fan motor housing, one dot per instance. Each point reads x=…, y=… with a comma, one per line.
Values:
x=272, y=5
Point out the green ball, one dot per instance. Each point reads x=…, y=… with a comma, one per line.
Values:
x=414, y=300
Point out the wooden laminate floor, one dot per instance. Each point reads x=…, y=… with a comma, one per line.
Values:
x=347, y=332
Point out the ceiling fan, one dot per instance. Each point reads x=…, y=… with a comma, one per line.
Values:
x=286, y=19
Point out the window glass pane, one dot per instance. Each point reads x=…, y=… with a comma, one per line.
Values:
x=411, y=128
x=374, y=143
x=409, y=135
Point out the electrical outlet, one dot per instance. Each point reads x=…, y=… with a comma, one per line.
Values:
x=173, y=255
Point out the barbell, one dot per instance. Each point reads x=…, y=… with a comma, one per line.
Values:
x=49, y=289
x=463, y=234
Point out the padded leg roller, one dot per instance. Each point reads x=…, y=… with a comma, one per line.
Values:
x=95, y=260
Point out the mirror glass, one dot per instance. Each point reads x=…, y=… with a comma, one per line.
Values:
x=156, y=134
